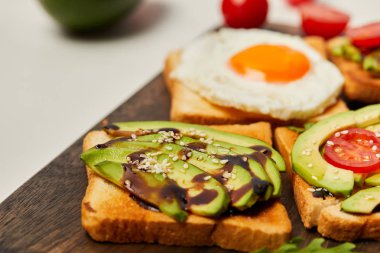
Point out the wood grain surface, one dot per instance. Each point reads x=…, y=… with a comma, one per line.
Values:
x=43, y=215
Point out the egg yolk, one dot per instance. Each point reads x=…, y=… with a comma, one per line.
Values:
x=270, y=63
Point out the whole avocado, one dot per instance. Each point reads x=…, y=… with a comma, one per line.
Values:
x=88, y=15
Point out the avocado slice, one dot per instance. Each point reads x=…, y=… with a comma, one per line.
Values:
x=371, y=63
x=363, y=202
x=235, y=178
x=306, y=157
x=374, y=128
x=373, y=180
x=259, y=165
x=120, y=128
x=206, y=197
x=152, y=188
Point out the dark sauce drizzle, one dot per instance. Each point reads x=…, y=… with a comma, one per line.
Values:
x=322, y=193
x=172, y=190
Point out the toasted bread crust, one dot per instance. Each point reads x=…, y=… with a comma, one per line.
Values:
x=324, y=213
x=359, y=84
x=187, y=106
x=109, y=214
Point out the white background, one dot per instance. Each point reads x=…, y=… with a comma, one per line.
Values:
x=54, y=87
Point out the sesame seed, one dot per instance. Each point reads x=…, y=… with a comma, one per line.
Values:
x=374, y=148
x=337, y=134
x=183, y=158
x=224, y=161
x=314, y=177
x=175, y=158
x=344, y=132
x=318, y=189
x=169, y=148
x=377, y=134
x=181, y=143
x=244, y=158
x=207, y=178
x=185, y=165
x=215, y=160
x=371, y=142
x=202, y=150
x=133, y=136
x=311, y=189
x=154, y=140
x=229, y=187
x=188, y=154
x=310, y=165
x=216, y=144
x=369, y=197
x=128, y=184
x=377, y=156
x=330, y=143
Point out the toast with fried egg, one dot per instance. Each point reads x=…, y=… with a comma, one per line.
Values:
x=324, y=213
x=110, y=214
x=188, y=106
x=359, y=84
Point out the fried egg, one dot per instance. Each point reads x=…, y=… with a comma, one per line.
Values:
x=259, y=71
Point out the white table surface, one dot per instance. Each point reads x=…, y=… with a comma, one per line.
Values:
x=54, y=87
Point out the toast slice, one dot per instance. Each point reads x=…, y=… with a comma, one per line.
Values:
x=359, y=84
x=187, y=106
x=325, y=214
x=110, y=214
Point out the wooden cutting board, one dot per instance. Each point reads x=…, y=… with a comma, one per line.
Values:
x=43, y=215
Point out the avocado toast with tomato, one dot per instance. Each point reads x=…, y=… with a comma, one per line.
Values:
x=183, y=184
x=335, y=166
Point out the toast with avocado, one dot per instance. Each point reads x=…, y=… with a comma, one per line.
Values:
x=188, y=106
x=181, y=184
x=335, y=168
x=361, y=72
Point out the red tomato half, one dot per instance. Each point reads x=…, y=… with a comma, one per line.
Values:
x=298, y=2
x=365, y=36
x=244, y=13
x=322, y=20
x=354, y=149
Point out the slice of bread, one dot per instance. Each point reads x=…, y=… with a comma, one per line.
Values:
x=187, y=106
x=325, y=213
x=110, y=214
x=359, y=84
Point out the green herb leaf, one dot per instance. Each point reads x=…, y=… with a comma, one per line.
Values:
x=315, y=246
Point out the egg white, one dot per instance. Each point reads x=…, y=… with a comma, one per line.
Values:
x=204, y=68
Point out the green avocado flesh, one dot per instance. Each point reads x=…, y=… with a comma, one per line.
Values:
x=373, y=180
x=306, y=155
x=364, y=201
x=232, y=138
x=187, y=170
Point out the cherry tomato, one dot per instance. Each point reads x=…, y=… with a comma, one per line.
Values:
x=365, y=36
x=322, y=20
x=244, y=13
x=298, y=2
x=354, y=149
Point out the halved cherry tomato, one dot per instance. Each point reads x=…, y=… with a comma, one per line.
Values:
x=244, y=13
x=298, y=2
x=354, y=149
x=365, y=36
x=322, y=20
